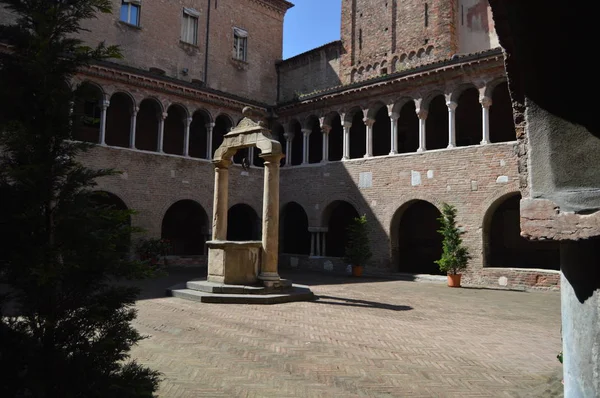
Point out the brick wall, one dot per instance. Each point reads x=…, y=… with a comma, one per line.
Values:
x=312, y=71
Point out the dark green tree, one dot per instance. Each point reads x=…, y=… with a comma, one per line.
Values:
x=455, y=256
x=65, y=326
x=358, y=249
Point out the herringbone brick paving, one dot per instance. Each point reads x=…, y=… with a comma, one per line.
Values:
x=372, y=338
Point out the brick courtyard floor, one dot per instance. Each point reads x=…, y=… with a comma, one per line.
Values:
x=361, y=338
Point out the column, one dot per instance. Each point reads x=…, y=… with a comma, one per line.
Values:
x=251, y=156
x=288, y=148
x=221, y=197
x=451, y=123
x=186, y=137
x=394, y=132
x=347, y=126
x=486, y=102
x=104, y=106
x=326, y=130
x=133, y=125
x=270, y=220
x=161, y=131
x=324, y=235
x=422, y=114
x=369, y=136
x=209, y=140
x=312, y=244
x=318, y=234
x=305, y=142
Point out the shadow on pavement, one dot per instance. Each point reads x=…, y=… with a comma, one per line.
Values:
x=331, y=300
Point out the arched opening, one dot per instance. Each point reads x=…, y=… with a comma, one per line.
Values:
x=358, y=134
x=502, y=125
x=336, y=139
x=338, y=217
x=279, y=135
x=381, y=133
x=315, y=141
x=408, y=129
x=87, y=110
x=146, y=131
x=174, y=134
x=223, y=124
x=185, y=225
x=418, y=242
x=198, y=135
x=118, y=120
x=243, y=223
x=297, y=143
x=437, y=124
x=504, y=245
x=108, y=200
x=468, y=118
x=295, y=238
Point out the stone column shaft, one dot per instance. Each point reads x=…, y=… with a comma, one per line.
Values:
x=393, y=133
x=270, y=221
x=312, y=244
x=324, y=235
x=209, y=140
x=318, y=234
x=186, y=137
x=251, y=156
x=486, y=102
x=133, y=126
x=326, y=130
x=161, y=132
x=288, y=148
x=369, y=136
x=104, y=108
x=422, y=114
x=346, y=152
x=451, y=123
x=305, y=145
x=221, y=198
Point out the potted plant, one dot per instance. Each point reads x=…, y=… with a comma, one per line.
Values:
x=455, y=256
x=152, y=250
x=358, y=251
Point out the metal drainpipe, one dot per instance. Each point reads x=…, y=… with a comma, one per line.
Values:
x=206, y=47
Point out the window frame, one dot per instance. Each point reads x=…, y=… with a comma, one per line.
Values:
x=240, y=36
x=131, y=4
x=190, y=17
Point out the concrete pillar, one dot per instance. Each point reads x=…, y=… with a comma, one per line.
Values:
x=209, y=140
x=161, y=131
x=451, y=123
x=288, y=148
x=133, y=127
x=393, y=132
x=270, y=220
x=422, y=114
x=346, y=152
x=186, y=136
x=369, y=144
x=326, y=130
x=104, y=107
x=486, y=102
x=221, y=198
x=305, y=142
x=580, y=308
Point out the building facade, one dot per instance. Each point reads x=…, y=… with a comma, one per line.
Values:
x=410, y=109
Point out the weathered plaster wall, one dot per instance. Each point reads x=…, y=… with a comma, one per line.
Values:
x=476, y=31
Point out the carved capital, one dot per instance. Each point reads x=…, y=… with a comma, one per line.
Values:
x=422, y=113
x=325, y=129
x=369, y=122
x=306, y=132
x=288, y=136
x=485, y=102
x=105, y=104
x=347, y=125
x=164, y=115
x=210, y=126
x=451, y=105
x=135, y=111
x=394, y=116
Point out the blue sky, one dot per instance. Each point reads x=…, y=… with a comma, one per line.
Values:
x=310, y=24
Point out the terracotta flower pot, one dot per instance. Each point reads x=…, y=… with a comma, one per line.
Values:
x=454, y=280
x=357, y=270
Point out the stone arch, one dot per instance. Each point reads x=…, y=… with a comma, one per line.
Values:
x=358, y=133
x=201, y=118
x=185, y=225
x=415, y=242
x=468, y=117
x=420, y=52
x=148, y=123
x=407, y=127
x=437, y=122
x=411, y=55
x=353, y=75
x=503, y=245
x=87, y=109
x=119, y=119
x=336, y=136
x=429, y=50
x=243, y=223
x=490, y=86
x=502, y=124
x=112, y=201
x=381, y=132
x=294, y=235
x=174, y=129
x=223, y=124
x=403, y=58
x=337, y=216
x=395, y=64
x=278, y=132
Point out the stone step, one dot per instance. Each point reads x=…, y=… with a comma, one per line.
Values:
x=296, y=293
x=212, y=287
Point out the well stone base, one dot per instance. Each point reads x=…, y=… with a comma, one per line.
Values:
x=234, y=263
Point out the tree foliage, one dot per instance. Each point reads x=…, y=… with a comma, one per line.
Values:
x=65, y=326
x=358, y=250
x=455, y=256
